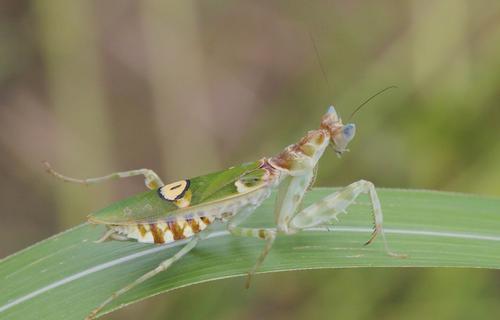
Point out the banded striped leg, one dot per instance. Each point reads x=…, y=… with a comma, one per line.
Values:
x=269, y=235
x=162, y=267
x=151, y=179
x=327, y=209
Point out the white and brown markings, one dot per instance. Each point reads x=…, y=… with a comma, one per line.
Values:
x=165, y=231
x=309, y=148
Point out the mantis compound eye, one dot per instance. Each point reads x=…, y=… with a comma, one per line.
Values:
x=348, y=131
x=343, y=137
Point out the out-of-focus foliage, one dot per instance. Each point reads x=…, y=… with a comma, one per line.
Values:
x=187, y=87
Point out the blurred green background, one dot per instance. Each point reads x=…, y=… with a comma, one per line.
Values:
x=189, y=87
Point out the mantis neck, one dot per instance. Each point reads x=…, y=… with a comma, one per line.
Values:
x=303, y=155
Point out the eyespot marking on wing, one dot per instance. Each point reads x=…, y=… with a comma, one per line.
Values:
x=174, y=191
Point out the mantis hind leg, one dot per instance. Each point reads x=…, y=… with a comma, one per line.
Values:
x=161, y=267
x=327, y=209
x=111, y=234
x=151, y=179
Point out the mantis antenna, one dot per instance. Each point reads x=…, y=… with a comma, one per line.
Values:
x=319, y=59
x=323, y=71
x=321, y=66
x=368, y=100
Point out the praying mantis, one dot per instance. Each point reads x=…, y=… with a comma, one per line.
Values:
x=187, y=209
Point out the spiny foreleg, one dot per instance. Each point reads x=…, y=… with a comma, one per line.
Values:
x=327, y=209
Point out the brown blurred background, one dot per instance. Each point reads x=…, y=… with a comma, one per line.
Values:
x=189, y=87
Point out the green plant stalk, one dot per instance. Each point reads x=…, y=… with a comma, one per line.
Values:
x=67, y=275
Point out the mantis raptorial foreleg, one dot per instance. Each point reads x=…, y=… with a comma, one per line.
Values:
x=151, y=179
x=161, y=267
x=327, y=209
x=317, y=214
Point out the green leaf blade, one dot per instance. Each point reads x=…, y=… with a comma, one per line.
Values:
x=66, y=276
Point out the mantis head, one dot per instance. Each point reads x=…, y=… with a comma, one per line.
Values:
x=340, y=134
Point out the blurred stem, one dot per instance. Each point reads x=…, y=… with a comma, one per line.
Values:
x=447, y=43
x=70, y=57
x=184, y=117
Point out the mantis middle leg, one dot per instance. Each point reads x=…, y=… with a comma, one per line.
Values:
x=269, y=235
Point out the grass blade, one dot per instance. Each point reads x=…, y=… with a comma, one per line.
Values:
x=66, y=276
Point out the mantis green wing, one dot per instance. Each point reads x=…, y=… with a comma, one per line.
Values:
x=182, y=197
